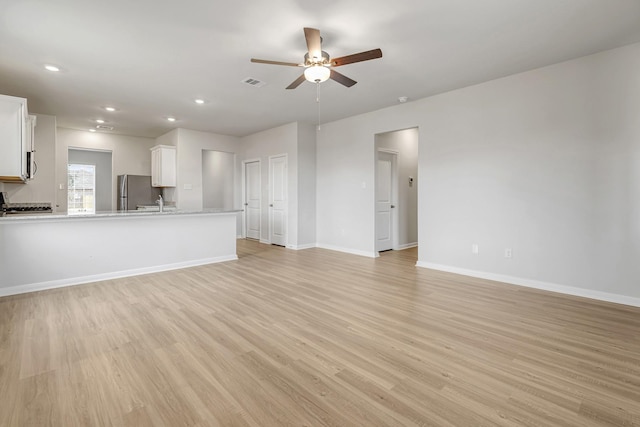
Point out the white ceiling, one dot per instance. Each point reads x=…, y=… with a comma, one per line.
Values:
x=151, y=58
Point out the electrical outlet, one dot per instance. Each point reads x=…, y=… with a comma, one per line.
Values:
x=475, y=249
x=508, y=253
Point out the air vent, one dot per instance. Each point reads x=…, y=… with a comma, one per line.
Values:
x=104, y=127
x=253, y=82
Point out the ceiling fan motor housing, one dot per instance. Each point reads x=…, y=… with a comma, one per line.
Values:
x=316, y=61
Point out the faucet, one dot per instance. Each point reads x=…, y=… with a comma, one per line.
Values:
x=160, y=202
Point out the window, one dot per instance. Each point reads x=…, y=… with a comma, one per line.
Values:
x=81, y=195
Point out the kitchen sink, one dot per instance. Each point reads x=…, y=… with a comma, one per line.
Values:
x=155, y=208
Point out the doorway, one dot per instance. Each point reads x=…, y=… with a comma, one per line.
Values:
x=278, y=200
x=396, y=190
x=89, y=181
x=252, y=199
x=386, y=196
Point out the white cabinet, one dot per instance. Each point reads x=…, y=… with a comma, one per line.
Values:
x=15, y=139
x=163, y=166
x=32, y=167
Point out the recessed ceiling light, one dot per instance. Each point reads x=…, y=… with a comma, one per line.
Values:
x=99, y=121
x=199, y=101
x=92, y=130
x=49, y=67
x=110, y=109
x=171, y=119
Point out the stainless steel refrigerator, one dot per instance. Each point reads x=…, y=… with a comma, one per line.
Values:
x=134, y=190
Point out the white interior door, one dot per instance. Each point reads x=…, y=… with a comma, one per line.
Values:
x=385, y=200
x=252, y=199
x=278, y=202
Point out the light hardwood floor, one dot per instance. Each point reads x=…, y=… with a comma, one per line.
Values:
x=314, y=338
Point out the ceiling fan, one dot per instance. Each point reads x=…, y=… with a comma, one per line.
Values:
x=317, y=62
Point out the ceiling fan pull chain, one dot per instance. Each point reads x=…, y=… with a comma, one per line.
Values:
x=318, y=102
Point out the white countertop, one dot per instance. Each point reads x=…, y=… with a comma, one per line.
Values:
x=113, y=214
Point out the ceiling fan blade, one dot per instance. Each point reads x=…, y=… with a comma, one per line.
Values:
x=297, y=82
x=266, y=61
x=314, y=43
x=357, y=57
x=341, y=78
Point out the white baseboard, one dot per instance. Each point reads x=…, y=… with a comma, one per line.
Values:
x=347, y=250
x=405, y=246
x=61, y=283
x=546, y=286
x=266, y=242
x=239, y=236
x=301, y=247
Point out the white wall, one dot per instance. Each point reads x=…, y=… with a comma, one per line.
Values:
x=131, y=155
x=346, y=177
x=545, y=162
x=42, y=187
x=405, y=143
x=295, y=140
x=188, y=193
x=218, y=179
x=169, y=138
x=190, y=143
x=306, y=185
x=280, y=140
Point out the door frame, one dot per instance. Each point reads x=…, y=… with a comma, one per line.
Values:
x=286, y=208
x=244, y=194
x=114, y=177
x=395, y=226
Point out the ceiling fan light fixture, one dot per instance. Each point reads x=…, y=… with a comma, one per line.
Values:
x=317, y=73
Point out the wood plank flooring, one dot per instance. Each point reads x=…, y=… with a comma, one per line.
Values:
x=315, y=338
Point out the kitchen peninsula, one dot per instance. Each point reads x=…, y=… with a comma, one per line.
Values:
x=49, y=251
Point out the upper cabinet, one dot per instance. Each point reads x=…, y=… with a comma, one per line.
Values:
x=163, y=166
x=16, y=139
